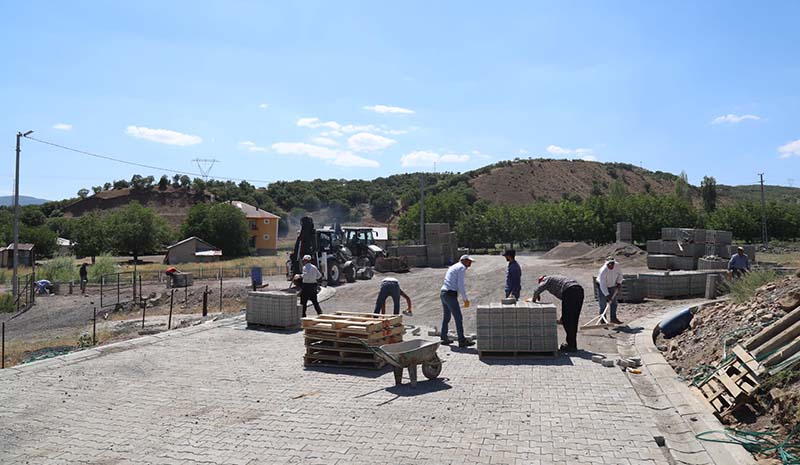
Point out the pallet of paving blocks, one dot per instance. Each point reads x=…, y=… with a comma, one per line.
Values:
x=273, y=309
x=329, y=339
x=521, y=329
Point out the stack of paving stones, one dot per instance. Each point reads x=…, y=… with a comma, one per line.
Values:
x=442, y=244
x=519, y=329
x=634, y=289
x=624, y=232
x=712, y=263
x=675, y=284
x=329, y=338
x=682, y=248
x=273, y=309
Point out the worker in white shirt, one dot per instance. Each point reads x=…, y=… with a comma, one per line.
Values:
x=308, y=288
x=609, y=282
x=452, y=287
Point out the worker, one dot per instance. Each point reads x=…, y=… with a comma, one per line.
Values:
x=452, y=287
x=84, y=275
x=739, y=263
x=391, y=287
x=609, y=283
x=308, y=287
x=571, y=295
x=513, y=274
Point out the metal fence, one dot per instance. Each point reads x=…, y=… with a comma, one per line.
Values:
x=26, y=292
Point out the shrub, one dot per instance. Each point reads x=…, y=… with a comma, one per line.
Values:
x=742, y=289
x=7, y=303
x=103, y=265
x=3, y=276
x=59, y=269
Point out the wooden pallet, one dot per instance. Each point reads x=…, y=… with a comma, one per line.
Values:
x=343, y=362
x=344, y=334
x=733, y=384
x=516, y=354
x=345, y=343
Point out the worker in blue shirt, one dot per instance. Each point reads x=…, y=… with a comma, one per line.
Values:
x=513, y=274
x=739, y=264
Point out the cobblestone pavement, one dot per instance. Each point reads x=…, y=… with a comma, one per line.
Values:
x=236, y=396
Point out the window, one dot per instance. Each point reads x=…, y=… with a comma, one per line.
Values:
x=266, y=237
x=266, y=220
x=253, y=226
x=252, y=242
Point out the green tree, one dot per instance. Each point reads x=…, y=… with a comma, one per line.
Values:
x=91, y=235
x=682, y=186
x=221, y=224
x=382, y=206
x=42, y=238
x=708, y=191
x=135, y=230
x=83, y=193
x=32, y=215
x=163, y=183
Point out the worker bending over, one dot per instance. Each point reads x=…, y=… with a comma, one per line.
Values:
x=391, y=287
x=308, y=287
x=452, y=287
x=739, y=264
x=571, y=295
x=609, y=283
x=513, y=274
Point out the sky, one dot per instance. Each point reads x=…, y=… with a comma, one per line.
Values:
x=307, y=89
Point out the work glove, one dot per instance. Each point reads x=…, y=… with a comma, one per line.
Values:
x=466, y=304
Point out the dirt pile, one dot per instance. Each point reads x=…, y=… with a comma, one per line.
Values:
x=566, y=250
x=626, y=254
x=717, y=328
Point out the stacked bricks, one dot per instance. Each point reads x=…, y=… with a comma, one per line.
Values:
x=329, y=338
x=676, y=284
x=682, y=248
x=517, y=329
x=634, y=289
x=442, y=244
x=624, y=232
x=712, y=263
x=273, y=308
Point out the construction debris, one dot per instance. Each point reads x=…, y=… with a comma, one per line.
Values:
x=331, y=339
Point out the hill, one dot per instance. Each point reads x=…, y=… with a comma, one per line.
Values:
x=8, y=200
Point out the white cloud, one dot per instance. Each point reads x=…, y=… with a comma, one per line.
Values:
x=556, y=150
x=385, y=109
x=589, y=158
x=332, y=156
x=792, y=148
x=733, y=119
x=250, y=146
x=163, y=136
x=63, y=126
x=331, y=134
x=428, y=158
x=522, y=152
x=263, y=106
x=319, y=140
x=366, y=142
x=335, y=129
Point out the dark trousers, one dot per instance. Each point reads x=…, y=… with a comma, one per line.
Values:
x=308, y=291
x=571, y=304
x=388, y=289
x=450, y=307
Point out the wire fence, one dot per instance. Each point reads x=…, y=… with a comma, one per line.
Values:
x=118, y=307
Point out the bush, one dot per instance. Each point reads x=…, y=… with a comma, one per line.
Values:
x=59, y=269
x=103, y=265
x=3, y=276
x=744, y=288
x=7, y=303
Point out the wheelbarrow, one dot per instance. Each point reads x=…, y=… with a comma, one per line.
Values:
x=409, y=354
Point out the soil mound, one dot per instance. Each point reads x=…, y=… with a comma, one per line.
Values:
x=566, y=250
x=627, y=254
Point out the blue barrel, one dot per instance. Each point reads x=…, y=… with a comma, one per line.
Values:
x=675, y=322
x=255, y=275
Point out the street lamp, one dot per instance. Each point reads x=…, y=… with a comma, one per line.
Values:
x=15, y=284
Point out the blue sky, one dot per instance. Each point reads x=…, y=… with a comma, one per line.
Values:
x=304, y=90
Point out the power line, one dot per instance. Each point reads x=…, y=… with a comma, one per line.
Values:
x=140, y=165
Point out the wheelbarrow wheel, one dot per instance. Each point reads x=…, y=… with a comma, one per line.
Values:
x=433, y=368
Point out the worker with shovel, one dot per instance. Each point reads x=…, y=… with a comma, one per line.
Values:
x=609, y=283
x=571, y=295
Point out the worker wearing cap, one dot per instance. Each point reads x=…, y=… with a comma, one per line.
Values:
x=739, y=264
x=391, y=287
x=308, y=287
x=452, y=287
x=513, y=274
x=609, y=283
x=570, y=293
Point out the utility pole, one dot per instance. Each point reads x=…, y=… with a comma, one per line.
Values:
x=422, y=208
x=764, y=237
x=15, y=284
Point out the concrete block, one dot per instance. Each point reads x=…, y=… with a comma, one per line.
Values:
x=598, y=358
x=608, y=362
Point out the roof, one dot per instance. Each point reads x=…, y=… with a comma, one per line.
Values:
x=21, y=246
x=62, y=242
x=189, y=239
x=209, y=253
x=251, y=211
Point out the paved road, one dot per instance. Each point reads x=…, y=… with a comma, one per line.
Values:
x=236, y=396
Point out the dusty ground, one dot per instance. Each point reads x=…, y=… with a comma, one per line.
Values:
x=59, y=321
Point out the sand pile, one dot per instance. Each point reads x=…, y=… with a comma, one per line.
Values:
x=566, y=250
x=627, y=254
